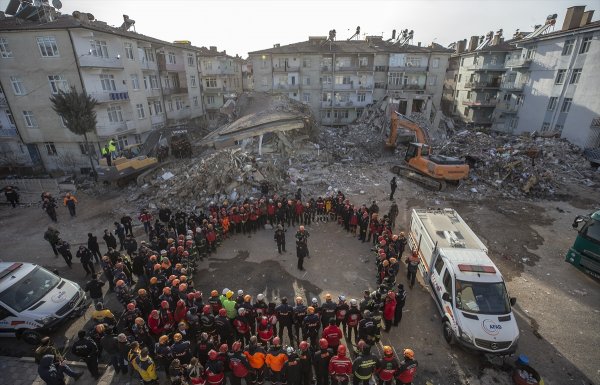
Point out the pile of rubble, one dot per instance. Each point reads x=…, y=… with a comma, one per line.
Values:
x=519, y=166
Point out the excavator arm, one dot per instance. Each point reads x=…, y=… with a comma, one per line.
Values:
x=405, y=122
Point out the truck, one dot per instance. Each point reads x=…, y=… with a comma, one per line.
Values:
x=585, y=252
x=467, y=287
x=35, y=301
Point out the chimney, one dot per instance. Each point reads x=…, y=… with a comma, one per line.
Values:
x=276, y=45
x=394, y=34
x=473, y=43
x=418, y=44
x=461, y=45
x=213, y=48
x=587, y=18
x=573, y=17
x=497, y=39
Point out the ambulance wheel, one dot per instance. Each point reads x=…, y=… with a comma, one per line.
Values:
x=448, y=334
x=31, y=337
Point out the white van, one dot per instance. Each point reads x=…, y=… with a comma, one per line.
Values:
x=467, y=287
x=34, y=301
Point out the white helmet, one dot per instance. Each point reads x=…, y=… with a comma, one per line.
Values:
x=260, y=297
x=353, y=302
x=224, y=292
x=289, y=350
x=240, y=293
x=241, y=311
x=342, y=298
x=314, y=300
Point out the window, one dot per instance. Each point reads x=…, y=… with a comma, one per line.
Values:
x=412, y=61
x=210, y=99
x=340, y=114
x=585, y=45
x=568, y=47
x=47, y=46
x=114, y=114
x=85, y=150
x=493, y=60
x=462, y=61
x=195, y=99
x=211, y=82
x=140, y=111
x=5, y=51
x=146, y=82
x=395, y=78
x=575, y=75
x=531, y=53
x=326, y=97
x=435, y=63
x=17, y=85
x=135, y=82
x=29, y=119
x=566, y=106
x=342, y=97
x=63, y=121
x=265, y=82
x=307, y=81
x=447, y=282
x=283, y=62
x=10, y=117
x=545, y=126
x=178, y=104
x=193, y=80
x=558, y=128
x=122, y=142
x=342, y=80
x=108, y=82
x=149, y=54
x=361, y=97
x=439, y=264
x=552, y=103
x=432, y=80
x=306, y=97
x=58, y=83
x=363, y=61
x=50, y=148
x=170, y=105
x=459, y=78
x=154, y=82
x=137, y=138
x=171, y=58
x=129, y=51
x=99, y=48
x=560, y=77
x=306, y=63
x=326, y=80
x=190, y=59
x=158, y=107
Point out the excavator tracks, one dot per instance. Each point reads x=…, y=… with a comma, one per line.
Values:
x=423, y=180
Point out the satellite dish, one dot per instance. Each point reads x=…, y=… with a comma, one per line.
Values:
x=56, y=4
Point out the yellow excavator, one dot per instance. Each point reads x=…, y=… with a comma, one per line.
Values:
x=420, y=164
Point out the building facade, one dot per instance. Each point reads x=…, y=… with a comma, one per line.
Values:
x=141, y=84
x=338, y=79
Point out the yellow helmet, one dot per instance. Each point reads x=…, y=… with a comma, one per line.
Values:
x=387, y=350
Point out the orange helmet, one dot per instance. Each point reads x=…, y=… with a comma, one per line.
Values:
x=341, y=351
x=323, y=344
x=183, y=287
x=100, y=328
x=139, y=321
x=408, y=353
x=153, y=280
x=120, y=283
x=167, y=290
x=177, y=337
x=142, y=291
x=214, y=293
x=163, y=340
x=131, y=306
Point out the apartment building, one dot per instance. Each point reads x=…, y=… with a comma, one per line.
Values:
x=13, y=151
x=338, y=79
x=140, y=83
x=563, y=81
x=221, y=78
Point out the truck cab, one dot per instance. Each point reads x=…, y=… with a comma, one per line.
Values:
x=34, y=301
x=585, y=252
x=467, y=287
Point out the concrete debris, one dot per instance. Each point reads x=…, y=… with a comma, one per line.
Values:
x=519, y=166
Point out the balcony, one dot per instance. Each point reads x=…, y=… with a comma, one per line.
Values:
x=219, y=71
x=89, y=61
x=157, y=120
x=481, y=85
x=110, y=97
x=326, y=68
x=152, y=93
x=112, y=129
x=512, y=86
x=348, y=86
x=518, y=63
x=487, y=67
x=175, y=90
x=148, y=65
x=408, y=87
x=507, y=108
x=346, y=68
x=284, y=68
x=480, y=103
x=288, y=87
x=183, y=113
x=8, y=132
x=163, y=65
x=409, y=68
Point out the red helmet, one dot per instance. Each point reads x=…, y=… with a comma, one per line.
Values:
x=341, y=350
x=189, y=243
x=172, y=249
x=180, y=248
x=237, y=345
x=186, y=254
x=190, y=296
x=323, y=344
x=223, y=312
x=264, y=321
x=212, y=354
x=276, y=341
x=223, y=348
x=164, y=304
x=180, y=303
x=131, y=306
x=303, y=345
x=206, y=309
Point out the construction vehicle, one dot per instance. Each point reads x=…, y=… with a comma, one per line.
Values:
x=585, y=252
x=466, y=285
x=420, y=165
x=128, y=165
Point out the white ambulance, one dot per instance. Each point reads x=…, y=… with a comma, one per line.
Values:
x=467, y=287
x=35, y=301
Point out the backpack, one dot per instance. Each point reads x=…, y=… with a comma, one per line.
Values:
x=239, y=370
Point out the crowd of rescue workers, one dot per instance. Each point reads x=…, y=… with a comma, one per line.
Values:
x=167, y=326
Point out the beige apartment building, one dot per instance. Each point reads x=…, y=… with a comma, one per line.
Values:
x=141, y=84
x=338, y=79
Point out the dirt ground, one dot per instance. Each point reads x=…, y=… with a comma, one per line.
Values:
x=557, y=308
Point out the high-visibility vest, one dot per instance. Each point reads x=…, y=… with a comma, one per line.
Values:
x=112, y=146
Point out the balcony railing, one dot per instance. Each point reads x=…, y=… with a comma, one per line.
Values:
x=163, y=65
x=157, y=120
x=110, y=97
x=475, y=85
x=507, y=108
x=286, y=86
x=8, y=132
x=413, y=87
x=518, y=63
x=148, y=65
x=152, y=93
x=408, y=68
x=175, y=90
x=512, y=86
x=480, y=103
x=111, y=129
x=100, y=62
x=284, y=68
x=487, y=67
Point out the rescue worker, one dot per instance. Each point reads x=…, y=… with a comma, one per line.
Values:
x=340, y=367
x=387, y=366
x=87, y=350
x=64, y=248
x=366, y=328
x=393, y=186
x=393, y=214
x=238, y=364
x=205, y=344
x=106, y=154
x=353, y=317
x=242, y=327
x=333, y=335
x=340, y=313
x=311, y=326
x=328, y=310
x=256, y=357
x=364, y=365
x=407, y=368
x=299, y=312
x=181, y=349
x=400, y=301
x=215, y=369
x=292, y=368
x=275, y=359
x=52, y=236
x=163, y=354
x=145, y=366
x=285, y=318
x=389, y=310
x=223, y=327
x=301, y=246
x=70, y=202
x=279, y=237
x=413, y=265
x=321, y=360
x=265, y=331
x=305, y=358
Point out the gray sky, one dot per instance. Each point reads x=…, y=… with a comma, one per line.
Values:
x=250, y=25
